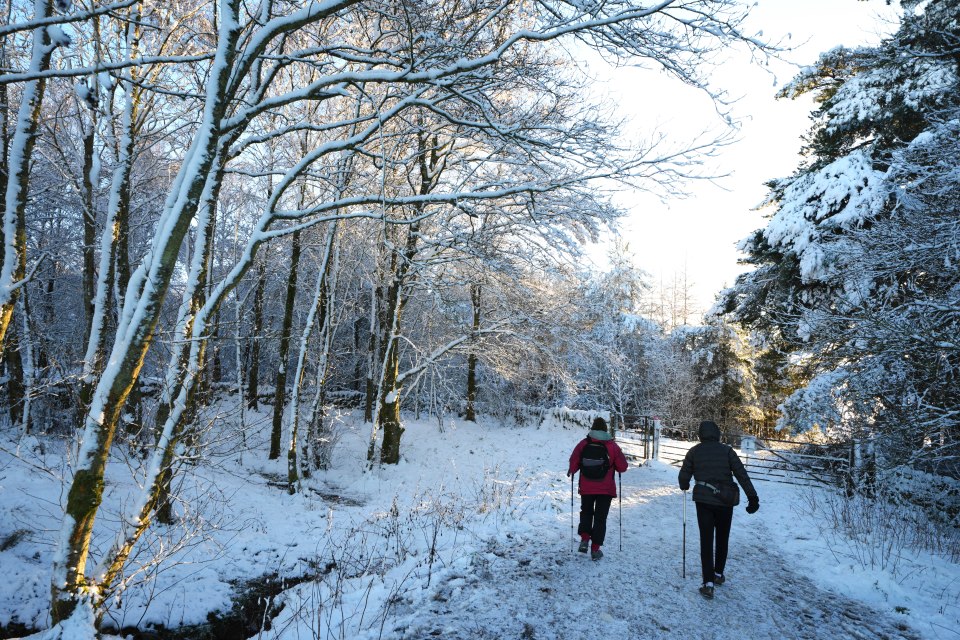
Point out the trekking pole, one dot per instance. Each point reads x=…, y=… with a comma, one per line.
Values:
x=684, y=535
x=620, y=495
x=571, y=513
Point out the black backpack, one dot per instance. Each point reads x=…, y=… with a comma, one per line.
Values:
x=594, y=460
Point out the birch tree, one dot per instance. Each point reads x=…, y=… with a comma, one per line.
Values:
x=13, y=269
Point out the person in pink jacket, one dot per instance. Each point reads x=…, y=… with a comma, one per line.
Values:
x=597, y=486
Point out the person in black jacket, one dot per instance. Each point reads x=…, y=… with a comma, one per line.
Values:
x=712, y=465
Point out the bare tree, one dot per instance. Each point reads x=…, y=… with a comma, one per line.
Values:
x=13, y=270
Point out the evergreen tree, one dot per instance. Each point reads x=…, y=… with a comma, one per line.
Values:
x=857, y=270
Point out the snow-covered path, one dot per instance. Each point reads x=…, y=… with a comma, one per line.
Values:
x=536, y=587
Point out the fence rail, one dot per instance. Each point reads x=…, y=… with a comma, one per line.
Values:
x=633, y=448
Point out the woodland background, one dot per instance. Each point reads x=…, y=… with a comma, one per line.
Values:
x=383, y=205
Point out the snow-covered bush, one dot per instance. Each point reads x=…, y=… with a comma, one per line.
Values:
x=572, y=418
x=905, y=512
x=938, y=496
x=364, y=578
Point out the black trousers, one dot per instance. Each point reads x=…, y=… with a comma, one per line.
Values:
x=593, y=517
x=713, y=519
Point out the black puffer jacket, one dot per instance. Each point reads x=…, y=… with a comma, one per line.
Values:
x=715, y=463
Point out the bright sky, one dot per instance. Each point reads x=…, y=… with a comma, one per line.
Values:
x=699, y=234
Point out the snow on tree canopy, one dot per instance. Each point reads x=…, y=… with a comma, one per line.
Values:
x=819, y=403
x=83, y=91
x=58, y=37
x=633, y=323
x=842, y=194
x=811, y=75
x=867, y=96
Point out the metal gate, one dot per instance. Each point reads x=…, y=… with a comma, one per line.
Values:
x=785, y=461
x=638, y=437
x=798, y=463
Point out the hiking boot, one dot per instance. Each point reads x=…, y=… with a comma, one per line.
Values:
x=707, y=591
x=718, y=579
x=596, y=554
x=584, y=545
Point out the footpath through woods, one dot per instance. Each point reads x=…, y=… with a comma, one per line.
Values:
x=469, y=537
x=537, y=587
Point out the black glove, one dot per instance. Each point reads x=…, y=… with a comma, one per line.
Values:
x=685, y=486
x=753, y=504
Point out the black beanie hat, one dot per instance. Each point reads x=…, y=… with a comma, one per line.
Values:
x=708, y=431
x=599, y=424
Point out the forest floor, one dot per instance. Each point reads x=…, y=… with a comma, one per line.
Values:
x=468, y=537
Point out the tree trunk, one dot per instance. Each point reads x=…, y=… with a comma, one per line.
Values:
x=13, y=237
x=112, y=238
x=238, y=364
x=318, y=315
x=27, y=351
x=280, y=391
x=430, y=165
x=389, y=413
x=138, y=321
x=357, y=349
x=380, y=341
x=122, y=235
x=89, y=216
x=4, y=119
x=470, y=413
x=16, y=389
x=177, y=368
x=370, y=389
x=256, y=331
x=210, y=367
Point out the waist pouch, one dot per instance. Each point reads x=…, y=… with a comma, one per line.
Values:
x=727, y=493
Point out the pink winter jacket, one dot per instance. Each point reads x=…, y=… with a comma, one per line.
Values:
x=607, y=486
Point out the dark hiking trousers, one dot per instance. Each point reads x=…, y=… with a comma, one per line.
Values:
x=593, y=517
x=710, y=519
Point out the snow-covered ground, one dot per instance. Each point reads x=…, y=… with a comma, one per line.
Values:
x=469, y=537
